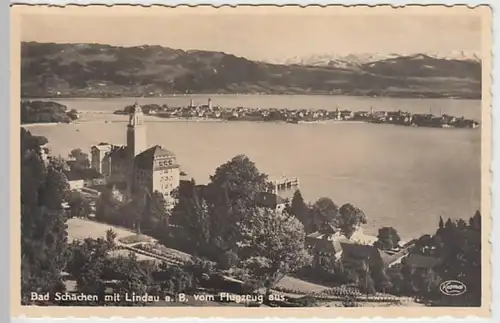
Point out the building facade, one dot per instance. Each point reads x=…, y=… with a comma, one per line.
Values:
x=156, y=170
x=98, y=154
x=144, y=170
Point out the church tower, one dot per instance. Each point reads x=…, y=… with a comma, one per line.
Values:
x=136, y=132
x=136, y=143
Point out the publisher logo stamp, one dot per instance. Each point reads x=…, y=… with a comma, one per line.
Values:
x=452, y=288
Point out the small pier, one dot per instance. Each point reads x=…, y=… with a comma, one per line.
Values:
x=285, y=187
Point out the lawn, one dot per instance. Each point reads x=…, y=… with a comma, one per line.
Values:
x=168, y=252
x=299, y=286
x=79, y=229
x=135, y=238
x=125, y=253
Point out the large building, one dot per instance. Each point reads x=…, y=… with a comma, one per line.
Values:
x=144, y=170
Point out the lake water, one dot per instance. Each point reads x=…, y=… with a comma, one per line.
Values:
x=399, y=176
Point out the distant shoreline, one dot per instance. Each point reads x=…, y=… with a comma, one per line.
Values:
x=473, y=97
x=191, y=120
x=155, y=119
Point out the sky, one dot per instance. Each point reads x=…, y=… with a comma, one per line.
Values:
x=263, y=35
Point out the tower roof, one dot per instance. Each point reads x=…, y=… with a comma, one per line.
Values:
x=136, y=108
x=146, y=158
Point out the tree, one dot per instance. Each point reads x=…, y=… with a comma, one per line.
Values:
x=42, y=112
x=87, y=263
x=133, y=212
x=79, y=206
x=301, y=210
x=192, y=213
x=240, y=178
x=424, y=245
x=30, y=142
x=475, y=222
x=441, y=223
x=350, y=218
x=325, y=212
x=110, y=237
x=56, y=188
x=461, y=258
x=212, y=214
x=156, y=217
x=359, y=272
x=174, y=279
x=457, y=247
x=93, y=267
x=106, y=205
x=81, y=159
x=43, y=222
x=388, y=238
x=381, y=279
x=131, y=276
x=272, y=246
x=72, y=114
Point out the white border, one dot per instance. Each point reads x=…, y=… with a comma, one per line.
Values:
x=5, y=132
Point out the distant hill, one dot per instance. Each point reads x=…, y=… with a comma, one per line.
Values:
x=94, y=70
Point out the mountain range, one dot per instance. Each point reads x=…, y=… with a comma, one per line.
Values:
x=358, y=59
x=95, y=70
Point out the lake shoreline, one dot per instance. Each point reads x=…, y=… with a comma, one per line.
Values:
x=185, y=120
x=166, y=96
x=159, y=119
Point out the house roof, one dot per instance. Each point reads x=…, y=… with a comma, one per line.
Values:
x=331, y=246
x=359, y=250
x=82, y=174
x=420, y=261
x=102, y=146
x=328, y=228
x=145, y=159
x=314, y=235
x=370, y=253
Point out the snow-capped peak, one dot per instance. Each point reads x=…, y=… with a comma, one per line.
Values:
x=363, y=58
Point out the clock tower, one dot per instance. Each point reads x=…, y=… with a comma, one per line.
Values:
x=136, y=143
x=136, y=131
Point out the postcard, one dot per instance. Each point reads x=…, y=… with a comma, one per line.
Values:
x=251, y=161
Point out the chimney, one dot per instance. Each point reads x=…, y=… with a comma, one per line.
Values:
x=191, y=103
x=209, y=103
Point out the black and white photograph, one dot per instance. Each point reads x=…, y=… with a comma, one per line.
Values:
x=265, y=157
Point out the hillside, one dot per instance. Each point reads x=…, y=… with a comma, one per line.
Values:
x=93, y=70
